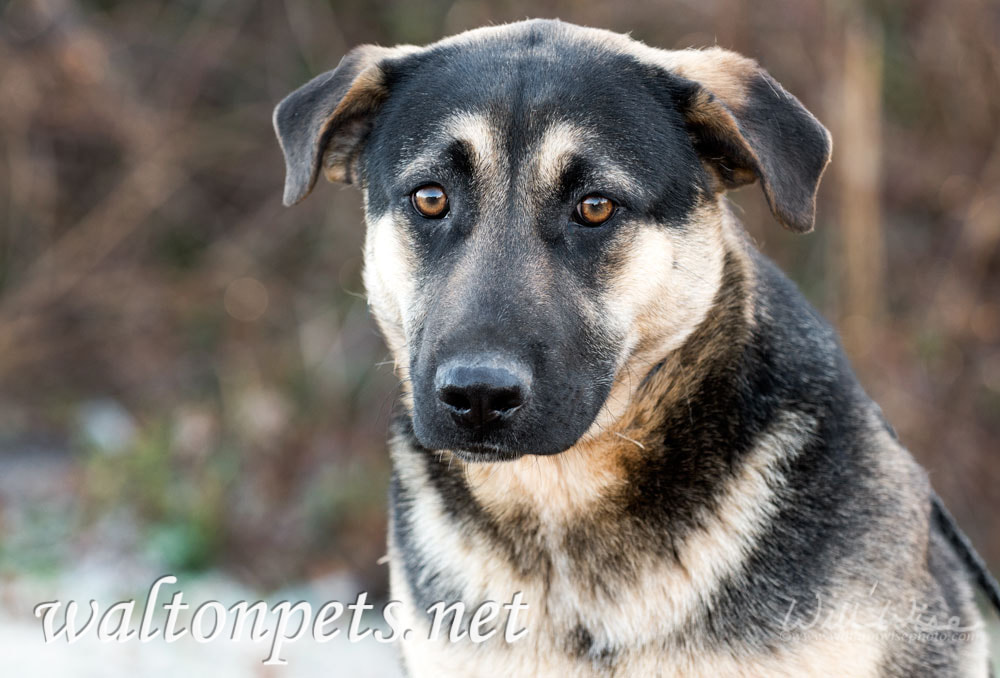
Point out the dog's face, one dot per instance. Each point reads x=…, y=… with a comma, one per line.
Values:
x=543, y=211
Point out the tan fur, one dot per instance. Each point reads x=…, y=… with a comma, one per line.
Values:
x=721, y=71
x=673, y=305
x=449, y=550
x=478, y=133
x=367, y=91
x=389, y=281
x=558, y=144
x=661, y=600
x=657, y=298
x=554, y=488
x=707, y=113
x=814, y=659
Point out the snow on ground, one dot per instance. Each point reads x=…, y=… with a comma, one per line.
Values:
x=42, y=560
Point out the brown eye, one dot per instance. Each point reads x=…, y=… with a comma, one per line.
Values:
x=431, y=201
x=594, y=210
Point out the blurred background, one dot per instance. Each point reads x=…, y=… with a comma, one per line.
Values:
x=189, y=380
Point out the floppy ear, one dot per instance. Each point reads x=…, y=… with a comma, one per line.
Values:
x=747, y=127
x=327, y=119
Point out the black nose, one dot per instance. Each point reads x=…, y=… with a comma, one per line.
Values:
x=479, y=391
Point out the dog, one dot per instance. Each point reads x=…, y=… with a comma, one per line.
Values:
x=612, y=403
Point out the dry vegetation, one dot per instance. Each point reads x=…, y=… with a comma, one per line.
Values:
x=203, y=356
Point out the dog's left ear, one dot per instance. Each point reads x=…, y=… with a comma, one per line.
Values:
x=746, y=127
x=327, y=120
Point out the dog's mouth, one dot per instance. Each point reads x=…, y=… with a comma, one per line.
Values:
x=483, y=454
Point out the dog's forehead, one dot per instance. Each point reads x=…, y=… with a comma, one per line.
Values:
x=465, y=93
x=512, y=102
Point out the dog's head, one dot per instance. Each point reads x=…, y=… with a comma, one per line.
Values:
x=543, y=206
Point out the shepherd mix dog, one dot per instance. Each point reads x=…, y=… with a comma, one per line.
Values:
x=613, y=403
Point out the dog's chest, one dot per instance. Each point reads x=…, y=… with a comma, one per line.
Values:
x=569, y=635
x=443, y=550
x=559, y=631
x=586, y=615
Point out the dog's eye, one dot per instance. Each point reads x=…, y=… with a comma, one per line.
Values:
x=594, y=210
x=430, y=201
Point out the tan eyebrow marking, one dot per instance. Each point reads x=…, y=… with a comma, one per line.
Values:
x=476, y=132
x=561, y=142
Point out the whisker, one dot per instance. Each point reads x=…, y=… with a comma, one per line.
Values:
x=631, y=440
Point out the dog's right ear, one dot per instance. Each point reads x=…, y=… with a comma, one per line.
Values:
x=327, y=120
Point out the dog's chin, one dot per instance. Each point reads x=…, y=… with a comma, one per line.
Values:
x=488, y=451
x=434, y=430
x=484, y=452
x=484, y=455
